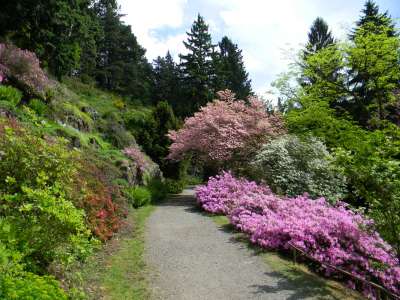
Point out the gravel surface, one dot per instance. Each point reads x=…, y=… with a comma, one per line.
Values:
x=190, y=257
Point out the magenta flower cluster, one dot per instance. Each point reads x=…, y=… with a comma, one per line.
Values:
x=333, y=235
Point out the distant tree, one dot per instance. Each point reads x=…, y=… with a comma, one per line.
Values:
x=371, y=15
x=121, y=64
x=230, y=72
x=319, y=37
x=55, y=30
x=167, y=81
x=197, y=67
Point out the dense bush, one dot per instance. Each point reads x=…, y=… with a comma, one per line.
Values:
x=292, y=166
x=138, y=196
x=158, y=190
x=22, y=68
x=330, y=234
x=175, y=186
x=9, y=96
x=36, y=198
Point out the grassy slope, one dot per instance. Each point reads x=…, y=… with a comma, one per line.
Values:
x=298, y=275
x=118, y=271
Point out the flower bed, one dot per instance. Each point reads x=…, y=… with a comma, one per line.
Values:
x=333, y=235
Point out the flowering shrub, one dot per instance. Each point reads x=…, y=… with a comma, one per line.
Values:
x=330, y=234
x=222, y=192
x=138, y=157
x=225, y=128
x=293, y=166
x=22, y=68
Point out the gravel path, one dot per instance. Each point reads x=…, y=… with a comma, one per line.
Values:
x=191, y=258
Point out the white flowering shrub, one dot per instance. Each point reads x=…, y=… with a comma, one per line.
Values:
x=292, y=166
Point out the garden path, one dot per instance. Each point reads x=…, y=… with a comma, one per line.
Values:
x=190, y=257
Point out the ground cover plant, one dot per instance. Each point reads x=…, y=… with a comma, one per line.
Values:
x=329, y=233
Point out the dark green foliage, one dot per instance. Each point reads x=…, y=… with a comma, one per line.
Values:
x=121, y=65
x=319, y=36
x=197, y=67
x=230, y=72
x=53, y=30
x=152, y=136
x=158, y=190
x=167, y=82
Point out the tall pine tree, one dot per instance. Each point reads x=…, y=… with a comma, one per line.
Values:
x=197, y=67
x=167, y=81
x=230, y=70
x=122, y=66
x=319, y=37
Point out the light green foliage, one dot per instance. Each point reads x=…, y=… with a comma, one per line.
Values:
x=138, y=196
x=37, y=200
x=373, y=171
x=293, y=166
x=38, y=106
x=9, y=96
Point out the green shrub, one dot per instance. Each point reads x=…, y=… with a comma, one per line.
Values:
x=10, y=95
x=29, y=286
x=38, y=106
x=17, y=284
x=175, y=186
x=138, y=196
x=293, y=166
x=158, y=190
x=37, y=199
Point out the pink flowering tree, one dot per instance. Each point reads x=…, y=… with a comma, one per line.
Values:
x=22, y=69
x=225, y=131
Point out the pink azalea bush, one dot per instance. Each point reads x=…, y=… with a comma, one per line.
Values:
x=330, y=234
x=22, y=68
x=224, y=128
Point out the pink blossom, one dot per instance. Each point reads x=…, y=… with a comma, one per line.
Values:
x=331, y=234
x=224, y=128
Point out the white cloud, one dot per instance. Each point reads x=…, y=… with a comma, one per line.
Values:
x=147, y=16
x=263, y=29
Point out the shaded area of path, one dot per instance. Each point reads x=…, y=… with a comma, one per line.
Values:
x=191, y=258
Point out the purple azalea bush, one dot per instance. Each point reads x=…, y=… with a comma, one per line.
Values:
x=331, y=234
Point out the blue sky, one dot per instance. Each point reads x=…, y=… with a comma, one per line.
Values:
x=266, y=30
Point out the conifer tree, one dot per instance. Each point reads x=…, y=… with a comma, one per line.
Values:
x=197, y=67
x=371, y=15
x=319, y=37
x=167, y=85
x=230, y=70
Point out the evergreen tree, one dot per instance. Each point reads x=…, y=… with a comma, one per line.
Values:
x=371, y=15
x=230, y=70
x=167, y=85
x=121, y=66
x=319, y=37
x=197, y=67
x=55, y=30
x=375, y=34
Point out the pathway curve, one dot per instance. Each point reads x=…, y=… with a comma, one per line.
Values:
x=192, y=258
